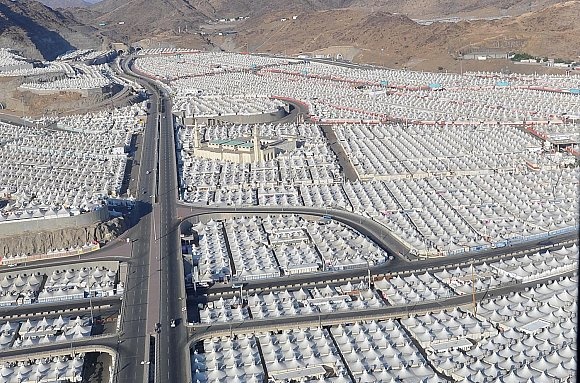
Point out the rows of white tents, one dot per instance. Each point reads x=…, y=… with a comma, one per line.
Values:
x=267, y=247
x=69, y=284
x=43, y=331
x=73, y=167
x=55, y=369
x=524, y=336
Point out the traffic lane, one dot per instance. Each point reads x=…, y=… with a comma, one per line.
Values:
x=257, y=325
x=58, y=306
x=134, y=336
x=396, y=265
x=173, y=369
x=176, y=365
x=109, y=341
x=357, y=275
x=371, y=229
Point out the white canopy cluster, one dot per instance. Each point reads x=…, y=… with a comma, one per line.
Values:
x=66, y=170
x=174, y=65
x=43, y=331
x=434, y=331
x=505, y=272
x=345, y=94
x=253, y=257
x=85, y=77
x=292, y=303
x=211, y=252
x=446, y=215
x=45, y=370
x=402, y=290
x=225, y=105
x=304, y=354
x=78, y=284
x=10, y=58
x=524, y=336
x=228, y=360
x=19, y=288
x=313, y=162
x=259, y=245
x=406, y=78
x=536, y=341
x=381, y=352
x=396, y=151
x=14, y=65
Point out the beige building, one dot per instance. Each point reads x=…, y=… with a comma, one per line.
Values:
x=239, y=150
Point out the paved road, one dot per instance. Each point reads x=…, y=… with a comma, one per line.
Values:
x=39, y=308
x=60, y=348
x=166, y=285
x=135, y=335
x=364, y=225
x=201, y=331
x=371, y=229
x=118, y=250
x=172, y=358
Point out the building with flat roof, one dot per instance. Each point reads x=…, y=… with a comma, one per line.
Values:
x=241, y=149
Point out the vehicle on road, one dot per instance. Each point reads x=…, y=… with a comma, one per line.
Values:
x=148, y=171
x=157, y=327
x=173, y=323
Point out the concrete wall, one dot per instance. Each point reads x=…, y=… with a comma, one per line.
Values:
x=82, y=92
x=34, y=225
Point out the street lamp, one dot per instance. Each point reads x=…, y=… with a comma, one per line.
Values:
x=153, y=214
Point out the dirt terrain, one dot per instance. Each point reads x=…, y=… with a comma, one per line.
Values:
x=43, y=241
x=397, y=41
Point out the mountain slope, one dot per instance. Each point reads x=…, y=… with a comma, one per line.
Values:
x=54, y=4
x=396, y=40
x=40, y=32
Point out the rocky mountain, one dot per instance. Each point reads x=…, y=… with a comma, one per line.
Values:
x=55, y=4
x=398, y=41
x=200, y=9
x=41, y=32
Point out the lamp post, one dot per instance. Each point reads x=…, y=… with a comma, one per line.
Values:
x=153, y=211
x=382, y=57
x=91, y=303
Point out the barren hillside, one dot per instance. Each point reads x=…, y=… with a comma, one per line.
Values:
x=54, y=4
x=41, y=32
x=396, y=40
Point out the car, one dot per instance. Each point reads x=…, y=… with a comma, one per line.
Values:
x=173, y=323
x=157, y=327
x=148, y=171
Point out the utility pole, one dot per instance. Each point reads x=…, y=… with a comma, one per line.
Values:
x=473, y=289
x=91, y=304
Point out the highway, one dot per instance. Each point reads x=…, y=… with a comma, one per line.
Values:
x=134, y=334
x=171, y=344
x=166, y=285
